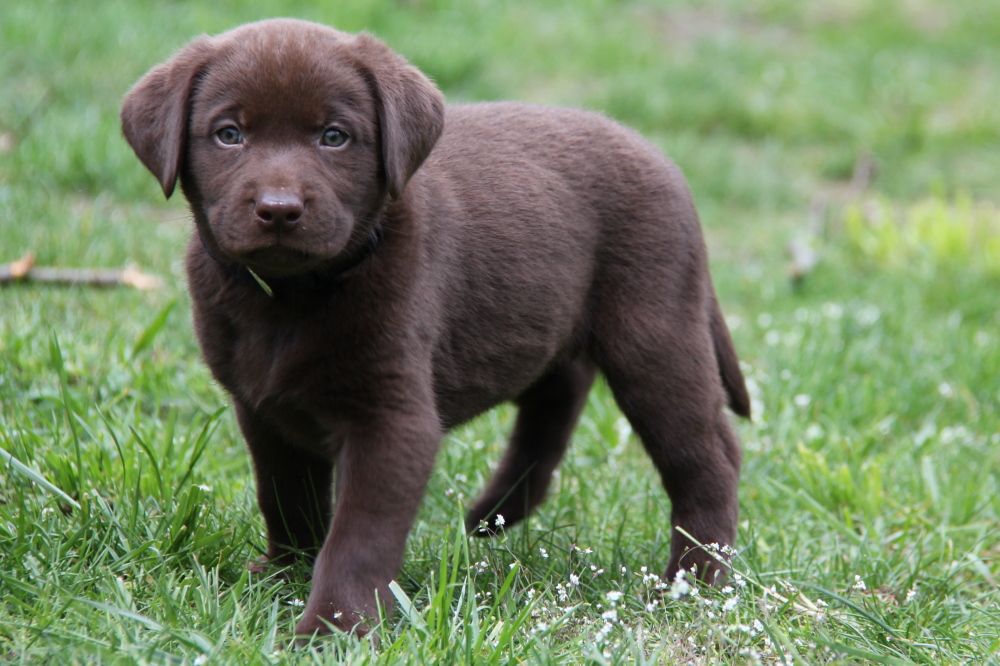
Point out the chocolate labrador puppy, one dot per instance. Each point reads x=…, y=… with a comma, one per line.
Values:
x=372, y=268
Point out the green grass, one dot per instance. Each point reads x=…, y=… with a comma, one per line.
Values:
x=870, y=499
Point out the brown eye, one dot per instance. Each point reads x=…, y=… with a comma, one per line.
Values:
x=334, y=138
x=229, y=136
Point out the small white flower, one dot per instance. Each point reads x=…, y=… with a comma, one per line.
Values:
x=624, y=430
x=207, y=489
x=912, y=594
x=859, y=584
x=500, y=521
x=868, y=315
x=200, y=660
x=613, y=596
x=610, y=615
x=802, y=400
x=946, y=390
x=730, y=604
x=680, y=587
x=543, y=552
x=298, y=603
x=832, y=310
x=574, y=580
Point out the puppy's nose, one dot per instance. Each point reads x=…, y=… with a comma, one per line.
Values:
x=276, y=211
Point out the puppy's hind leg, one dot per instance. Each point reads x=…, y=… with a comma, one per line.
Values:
x=662, y=370
x=548, y=412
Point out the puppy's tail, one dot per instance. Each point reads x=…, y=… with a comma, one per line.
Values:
x=729, y=364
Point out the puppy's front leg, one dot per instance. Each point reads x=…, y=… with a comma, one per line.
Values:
x=294, y=491
x=382, y=474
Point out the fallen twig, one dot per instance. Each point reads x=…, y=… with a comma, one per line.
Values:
x=24, y=270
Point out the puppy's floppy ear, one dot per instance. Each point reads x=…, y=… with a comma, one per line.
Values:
x=155, y=111
x=410, y=110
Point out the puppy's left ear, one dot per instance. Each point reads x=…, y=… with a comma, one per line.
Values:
x=155, y=112
x=410, y=110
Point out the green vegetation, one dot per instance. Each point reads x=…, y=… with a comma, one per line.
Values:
x=870, y=499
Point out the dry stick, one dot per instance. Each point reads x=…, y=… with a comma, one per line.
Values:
x=24, y=270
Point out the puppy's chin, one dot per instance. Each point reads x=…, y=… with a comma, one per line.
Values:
x=279, y=261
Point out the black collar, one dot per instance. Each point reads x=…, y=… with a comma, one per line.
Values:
x=315, y=280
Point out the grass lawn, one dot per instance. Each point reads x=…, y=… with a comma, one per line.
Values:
x=870, y=524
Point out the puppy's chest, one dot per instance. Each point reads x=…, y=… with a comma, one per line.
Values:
x=283, y=364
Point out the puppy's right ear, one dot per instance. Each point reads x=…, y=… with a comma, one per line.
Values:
x=155, y=111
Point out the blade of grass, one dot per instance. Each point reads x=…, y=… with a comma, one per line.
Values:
x=149, y=334
x=406, y=606
x=152, y=459
x=57, y=361
x=37, y=479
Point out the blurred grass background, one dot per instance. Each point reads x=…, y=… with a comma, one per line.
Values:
x=868, y=132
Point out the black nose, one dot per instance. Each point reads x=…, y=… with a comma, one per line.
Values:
x=277, y=211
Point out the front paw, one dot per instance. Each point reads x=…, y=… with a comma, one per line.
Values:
x=313, y=626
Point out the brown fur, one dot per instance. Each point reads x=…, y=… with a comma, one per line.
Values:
x=440, y=262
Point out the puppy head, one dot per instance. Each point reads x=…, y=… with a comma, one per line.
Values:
x=287, y=137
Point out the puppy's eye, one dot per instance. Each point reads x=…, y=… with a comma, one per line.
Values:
x=229, y=136
x=334, y=138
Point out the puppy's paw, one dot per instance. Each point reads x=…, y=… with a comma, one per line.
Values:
x=266, y=566
x=260, y=566
x=312, y=627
